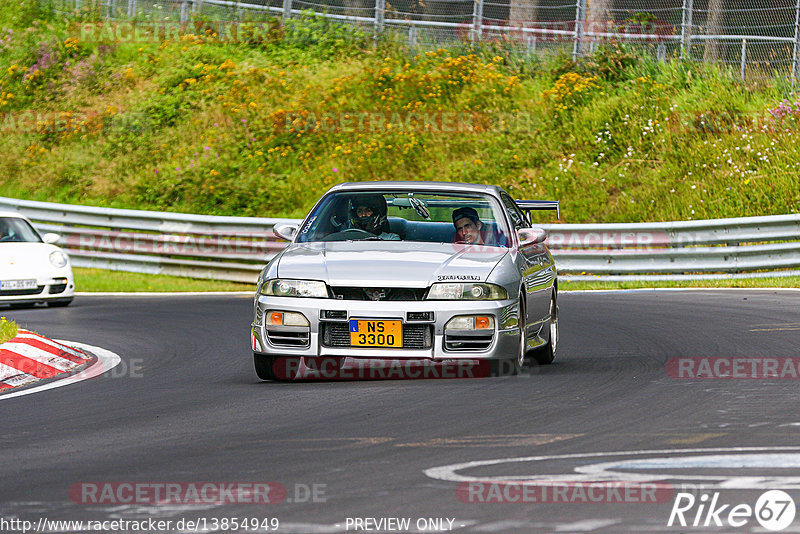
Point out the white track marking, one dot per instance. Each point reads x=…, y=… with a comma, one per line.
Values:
x=586, y=525
x=106, y=360
x=597, y=472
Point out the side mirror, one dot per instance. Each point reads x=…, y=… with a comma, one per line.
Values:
x=51, y=238
x=286, y=231
x=531, y=236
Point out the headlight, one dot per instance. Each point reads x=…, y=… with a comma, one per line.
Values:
x=456, y=291
x=58, y=259
x=294, y=288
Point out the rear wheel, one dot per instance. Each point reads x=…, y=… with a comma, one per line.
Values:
x=546, y=354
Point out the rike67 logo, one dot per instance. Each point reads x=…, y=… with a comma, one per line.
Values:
x=774, y=510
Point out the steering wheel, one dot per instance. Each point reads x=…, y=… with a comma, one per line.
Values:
x=349, y=234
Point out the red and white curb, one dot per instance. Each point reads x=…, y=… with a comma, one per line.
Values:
x=30, y=357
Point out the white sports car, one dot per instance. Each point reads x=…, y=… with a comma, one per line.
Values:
x=32, y=269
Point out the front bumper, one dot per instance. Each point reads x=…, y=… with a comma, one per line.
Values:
x=504, y=343
x=48, y=289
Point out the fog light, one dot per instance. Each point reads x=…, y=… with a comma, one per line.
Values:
x=470, y=322
x=279, y=318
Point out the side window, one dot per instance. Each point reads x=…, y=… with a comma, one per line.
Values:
x=516, y=215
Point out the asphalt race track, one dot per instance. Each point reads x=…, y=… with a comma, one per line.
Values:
x=185, y=406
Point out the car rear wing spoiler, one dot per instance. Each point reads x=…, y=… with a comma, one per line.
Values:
x=531, y=205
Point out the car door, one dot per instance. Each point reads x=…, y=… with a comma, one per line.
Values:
x=536, y=267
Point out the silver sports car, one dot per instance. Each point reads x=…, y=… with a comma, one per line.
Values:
x=424, y=271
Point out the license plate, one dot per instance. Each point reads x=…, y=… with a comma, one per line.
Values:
x=9, y=285
x=376, y=333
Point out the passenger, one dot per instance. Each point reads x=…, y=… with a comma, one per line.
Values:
x=368, y=213
x=469, y=228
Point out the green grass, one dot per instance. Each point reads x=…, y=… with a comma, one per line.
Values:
x=8, y=330
x=782, y=282
x=97, y=280
x=194, y=125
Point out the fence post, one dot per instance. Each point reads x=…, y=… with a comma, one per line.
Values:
x=743, y=66
x=131, y=8
x=380, y=10
x=477, y=20
x=412, y=37
x=185, y=11
x=796, y=58
x=686, y=29
x=111, y=8
x=580, y=20
x=287, y=9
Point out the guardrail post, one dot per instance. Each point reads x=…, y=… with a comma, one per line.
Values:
x=743, y=66
x=287, y=9
x=661, y=51
x=796, y=57
x=686, y=28
x=185, y=11
x=477, y=20
x=380, y=11
x=131, y=8
x=580, y=20
x=412, y=37
x=531, y=39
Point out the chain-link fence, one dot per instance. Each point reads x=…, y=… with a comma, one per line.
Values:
x=756, y=38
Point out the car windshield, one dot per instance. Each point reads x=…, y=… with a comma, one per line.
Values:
x=16, y=230
x=407, y=216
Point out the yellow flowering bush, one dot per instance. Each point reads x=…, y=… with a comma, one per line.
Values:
x=570, y=91
x=8, y=330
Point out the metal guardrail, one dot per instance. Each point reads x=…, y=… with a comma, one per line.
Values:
x=236, y=248
x=198, y=246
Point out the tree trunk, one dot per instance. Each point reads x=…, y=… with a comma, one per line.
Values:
x=524, y=13
x=713, y=27
x=598, y=16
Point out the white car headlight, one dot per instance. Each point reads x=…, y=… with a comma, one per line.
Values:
x=457, y=291
x=280, y=287
x=58, y=259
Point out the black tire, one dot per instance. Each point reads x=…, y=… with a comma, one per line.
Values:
x=264, y=366
x=513, y=366
x=546, y=354
x=59, y=303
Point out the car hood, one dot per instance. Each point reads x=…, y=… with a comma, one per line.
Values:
x=19, y=261
x=388, y=263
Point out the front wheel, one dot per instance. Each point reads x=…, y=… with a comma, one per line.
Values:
x=513, y=366
x=546, y=354
x=264, y=366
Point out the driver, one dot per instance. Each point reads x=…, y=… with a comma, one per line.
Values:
x=368, y=213
x=5, y=230
x=469, y=228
